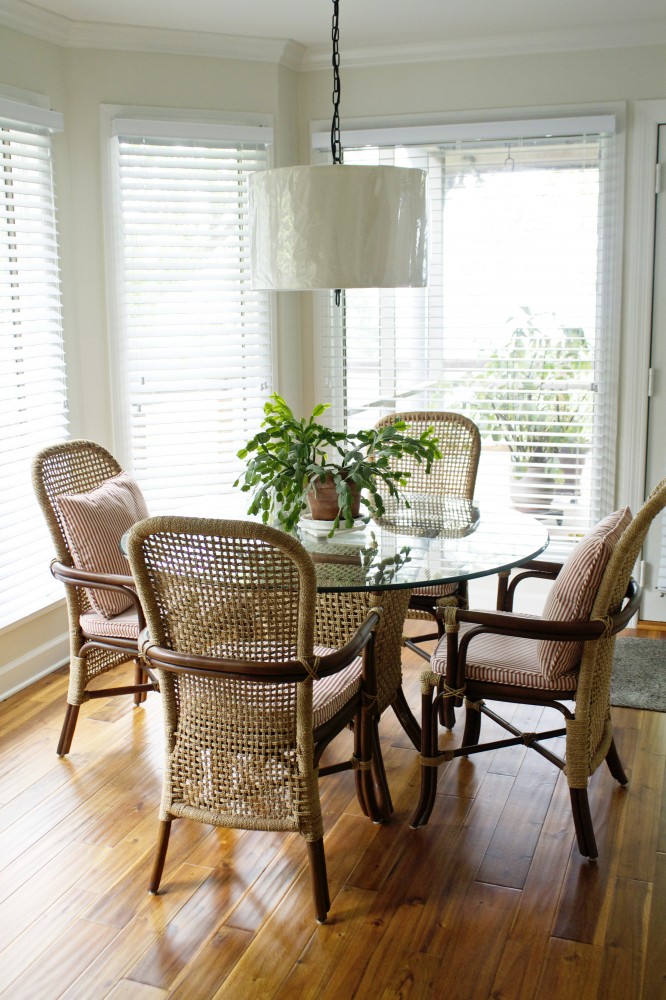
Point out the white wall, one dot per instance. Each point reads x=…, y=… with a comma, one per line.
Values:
x=78, y=81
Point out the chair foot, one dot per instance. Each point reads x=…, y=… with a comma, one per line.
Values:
x=580, y=807
x=319, y=879
x=67, y=731
x=160, y=856
x=615, y=764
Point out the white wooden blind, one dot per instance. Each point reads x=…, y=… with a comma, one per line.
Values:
x=195, y=339
x=32, y=372
x=521, y=238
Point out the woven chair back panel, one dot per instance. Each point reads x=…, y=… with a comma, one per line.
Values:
x=431, y=516
x=455, y=473
x=234, y=757
x=340, y=614
x=588, y=736
x=223, y=596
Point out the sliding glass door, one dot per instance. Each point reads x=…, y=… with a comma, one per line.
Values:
x=514, y=328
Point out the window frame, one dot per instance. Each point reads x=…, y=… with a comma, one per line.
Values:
x=167, y=123
x=417, y=128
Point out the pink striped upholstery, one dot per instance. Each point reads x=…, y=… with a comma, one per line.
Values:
x=500, y=659
x=572, y=595
x=122, y=626
x=94, y=523
x=442, y=591
x=330, y=694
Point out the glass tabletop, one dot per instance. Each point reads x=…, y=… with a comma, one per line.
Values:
x=434, y=541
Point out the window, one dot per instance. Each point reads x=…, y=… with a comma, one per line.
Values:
x=195, y=339
x=514, y=328
x=34, y=405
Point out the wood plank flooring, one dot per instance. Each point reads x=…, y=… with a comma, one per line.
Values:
x=490, y=900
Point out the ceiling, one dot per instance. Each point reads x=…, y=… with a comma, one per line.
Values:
x=371, y=24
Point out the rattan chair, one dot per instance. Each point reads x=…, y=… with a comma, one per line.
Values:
x=453, y=477
x=504, y=657
x=98, y=643
x=249, y=701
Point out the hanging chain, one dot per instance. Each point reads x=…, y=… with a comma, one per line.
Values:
x=336, y=145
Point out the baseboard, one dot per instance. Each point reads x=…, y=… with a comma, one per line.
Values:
x=645, y=626
x=39, y=662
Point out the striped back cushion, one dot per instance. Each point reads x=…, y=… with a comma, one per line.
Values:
x=572, y=595
x=94, y=523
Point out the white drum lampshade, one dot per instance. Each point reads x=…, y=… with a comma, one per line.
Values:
x=338, y=226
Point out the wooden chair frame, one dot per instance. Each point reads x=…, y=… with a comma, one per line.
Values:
x=175, y=667
x=587, y=728
x=79, y=466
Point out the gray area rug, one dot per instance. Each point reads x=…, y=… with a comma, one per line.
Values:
x=639, y=674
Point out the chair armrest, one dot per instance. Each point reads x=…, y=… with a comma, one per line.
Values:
x=72, y=577
x=539, y=569
x=86, y=578
x=532, y=627
x=287, y=671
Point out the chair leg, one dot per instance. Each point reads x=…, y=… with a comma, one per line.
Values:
x=406, y=718
x=446, y=713
x=140, y=677
x=615, y=764
x=429, y=775
x=378, y=773
x=319, y=879
x=160, y=856
x=67, y=731
x=472, y=731
x=580, y=806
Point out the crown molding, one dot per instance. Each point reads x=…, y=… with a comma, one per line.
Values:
x=534, y=43
x=31, y=20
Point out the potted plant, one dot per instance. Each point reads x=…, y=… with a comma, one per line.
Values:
x=291, y=462
x=534, y=394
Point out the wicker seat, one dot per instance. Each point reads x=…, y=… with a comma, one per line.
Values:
x=546, y=660
x=250, y=702
x=75, y=471
x=453, y=477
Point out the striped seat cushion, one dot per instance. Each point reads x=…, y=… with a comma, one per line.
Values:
x=94, y=523
x=122, y=626
x=443, y=590
x=330, y=694
x=499, y=659
x=572, y=595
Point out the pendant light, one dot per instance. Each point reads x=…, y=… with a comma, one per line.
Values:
x=338, y=226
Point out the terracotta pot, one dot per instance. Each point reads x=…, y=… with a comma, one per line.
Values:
x=323, y=500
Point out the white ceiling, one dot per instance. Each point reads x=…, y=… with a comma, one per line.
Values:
x=368, y=24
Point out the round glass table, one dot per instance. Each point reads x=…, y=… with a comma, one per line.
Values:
x=430, y=543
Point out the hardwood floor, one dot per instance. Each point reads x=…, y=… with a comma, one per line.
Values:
x=490, y=900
